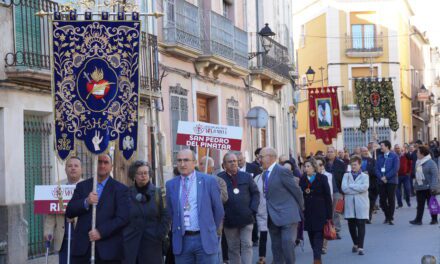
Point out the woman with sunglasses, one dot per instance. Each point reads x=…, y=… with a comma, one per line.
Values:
x=318, y=206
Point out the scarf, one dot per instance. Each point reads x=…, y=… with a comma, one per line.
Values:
x=420, y=177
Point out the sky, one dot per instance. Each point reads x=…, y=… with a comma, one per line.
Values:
x=426, y=18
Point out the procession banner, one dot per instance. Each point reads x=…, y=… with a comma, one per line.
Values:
x=375, y=98
x=325, y=121
x=206, y=135
x=96, y=85
x=47, y=198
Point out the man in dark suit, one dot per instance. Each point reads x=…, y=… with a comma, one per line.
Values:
x=112, y=214
x=244, y=166
x=337, y=168
x=285, y=203
x=196, y=210
x=368, y=166
x=257, y=161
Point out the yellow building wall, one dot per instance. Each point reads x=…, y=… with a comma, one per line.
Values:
x=404, y=59
x=314, y=54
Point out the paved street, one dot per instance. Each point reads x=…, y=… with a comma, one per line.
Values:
x=401, y=243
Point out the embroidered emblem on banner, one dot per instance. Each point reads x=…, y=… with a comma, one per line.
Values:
x=96, y=78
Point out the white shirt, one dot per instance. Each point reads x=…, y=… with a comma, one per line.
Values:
x=269, y=170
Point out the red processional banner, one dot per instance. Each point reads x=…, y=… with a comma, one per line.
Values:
x=325, y=121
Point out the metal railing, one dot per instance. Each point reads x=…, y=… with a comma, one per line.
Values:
x=241, y=47
x=220, y=40
x=31, y=34
x=182, y=25
x=276, y=59
x=349, y=101
x=364, y=43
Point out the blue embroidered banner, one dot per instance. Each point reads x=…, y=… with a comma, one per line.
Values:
x=96, y=78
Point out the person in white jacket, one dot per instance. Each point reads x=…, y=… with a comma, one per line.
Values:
x=356, y=210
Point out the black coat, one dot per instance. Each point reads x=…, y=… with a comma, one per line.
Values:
x=317, y=204
x=240, y=208
x=371, y=169
x=337, y=169
x=111, y=218
x=148, y=226
x=253, y=169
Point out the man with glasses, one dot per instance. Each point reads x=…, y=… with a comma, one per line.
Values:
x=196, y=210
x=240, y=210
x=285, y=203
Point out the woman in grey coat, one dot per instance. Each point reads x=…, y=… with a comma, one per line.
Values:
x=149, y=220
x=357, y=205
x=427, y=181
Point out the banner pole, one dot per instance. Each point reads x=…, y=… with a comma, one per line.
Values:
x=206, y=160
x=69, y=237
x=95, y=183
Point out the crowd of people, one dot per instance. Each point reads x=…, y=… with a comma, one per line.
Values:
x=207, y=217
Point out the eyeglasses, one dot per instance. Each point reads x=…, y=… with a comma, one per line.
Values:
x=184, y=160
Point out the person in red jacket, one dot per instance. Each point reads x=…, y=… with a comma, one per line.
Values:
x=404, y=177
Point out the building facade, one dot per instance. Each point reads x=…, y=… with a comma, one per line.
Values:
x=350, y=40
x=207, y=75
x=195, y=67
x=26, y=123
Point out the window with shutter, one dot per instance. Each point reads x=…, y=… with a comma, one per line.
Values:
x=179, y=112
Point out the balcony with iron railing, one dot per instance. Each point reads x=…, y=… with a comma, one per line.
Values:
x=28, y=59
x=225, y=47
x=181, y=30
x=364, y=46
x=274, y=64
x=349, y=103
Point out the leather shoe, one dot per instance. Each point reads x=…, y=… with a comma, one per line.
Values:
x=433, y=223
x=414, y=222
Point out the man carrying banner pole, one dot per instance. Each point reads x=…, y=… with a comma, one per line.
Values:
x=99, y=232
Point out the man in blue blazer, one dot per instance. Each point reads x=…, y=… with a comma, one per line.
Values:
x=193, y=200
x=387, y=167
x=112, y=214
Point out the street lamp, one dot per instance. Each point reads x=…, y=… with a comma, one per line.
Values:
x=310, y=74
x=265, y=35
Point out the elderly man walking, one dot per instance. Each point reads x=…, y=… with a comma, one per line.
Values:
x=285, y=203
x=240, y=210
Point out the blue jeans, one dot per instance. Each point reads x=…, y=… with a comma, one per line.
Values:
x=193, y=253
x=405, y=181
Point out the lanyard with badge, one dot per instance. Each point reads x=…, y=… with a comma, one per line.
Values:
x=186, y=190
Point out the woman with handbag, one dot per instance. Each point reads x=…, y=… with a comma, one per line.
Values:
x=427, y=181
x=357, y=204
x=317, y=206
x=149, y=221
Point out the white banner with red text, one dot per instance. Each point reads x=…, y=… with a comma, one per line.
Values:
x=206, y=135
x=47, y=198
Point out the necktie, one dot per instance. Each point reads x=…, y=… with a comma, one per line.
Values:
x=265, y=181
